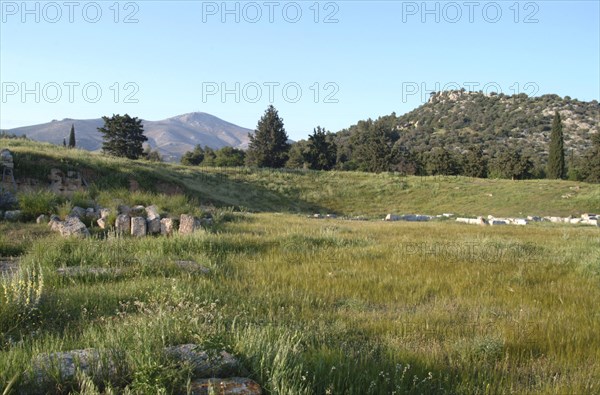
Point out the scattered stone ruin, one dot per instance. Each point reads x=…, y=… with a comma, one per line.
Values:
x=61, y=183
x=213, y=371
x=586, y=219
x=138, y=221
x=7, y=165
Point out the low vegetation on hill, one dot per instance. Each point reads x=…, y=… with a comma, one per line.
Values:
x=304, y=191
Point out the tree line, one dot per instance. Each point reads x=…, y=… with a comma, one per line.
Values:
x=372, y=146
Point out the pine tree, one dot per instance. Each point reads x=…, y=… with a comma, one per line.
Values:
x=123, y=136
x=372, y=145
x=440, y=161
x=72, y=137
x=322, y=151
x=590, y=166
x=65, y=143
x=474, y=163
x=556, y=157
x=512, y=163
x=269, y=145
x=193, y=158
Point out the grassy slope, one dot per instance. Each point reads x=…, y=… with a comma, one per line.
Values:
x=345, y=193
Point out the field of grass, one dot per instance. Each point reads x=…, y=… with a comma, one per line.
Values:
x=308, y=306
x=326, y=306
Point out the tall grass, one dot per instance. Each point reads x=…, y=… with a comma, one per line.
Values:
x=329, y=306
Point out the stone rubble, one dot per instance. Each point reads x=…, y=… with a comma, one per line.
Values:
x=213, y=371
x=230, y=386
x=138, y=226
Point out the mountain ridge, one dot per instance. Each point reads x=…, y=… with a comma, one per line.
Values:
x=172, y=136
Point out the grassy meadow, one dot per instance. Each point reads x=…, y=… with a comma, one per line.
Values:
x=309, y=306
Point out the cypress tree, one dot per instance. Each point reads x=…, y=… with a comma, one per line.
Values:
x=72, y=137
x=556, y=157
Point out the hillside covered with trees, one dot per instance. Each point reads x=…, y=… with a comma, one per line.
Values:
x=475, y=134
x=454, y=133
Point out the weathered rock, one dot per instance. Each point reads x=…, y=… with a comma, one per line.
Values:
x=73, y=226
x=331, y=216
x=78, y=212
x=152, y=212
x=230, y=386
x=392, y=217
x=192, y=266
x=5, y=155
x=123, y=223
x=41, y=219
x=534, y=218
x=91, y=213
x=102, y=223
x=137, y=210
x=104, y=212
x=204, y=364
x=54, y=223
x=12, y=215
x=123, y=209
x=8, y=201
x=553, y=219
x=66, y=364
x=65, y=184
x=415, y=218
x=138, y=226
x=167, y=225
x=496, y=222
x=153, y=226
x=77, y=271
x=188, y=224
x=472, y=221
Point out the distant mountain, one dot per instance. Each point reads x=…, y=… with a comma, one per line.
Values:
x=172, y=137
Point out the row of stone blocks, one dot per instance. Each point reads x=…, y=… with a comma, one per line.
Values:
x=152, y=224
x=128, y=222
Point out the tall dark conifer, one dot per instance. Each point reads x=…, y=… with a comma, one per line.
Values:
x=72, y=137
x=123, y=136
x=268, y=145
x=556, y=157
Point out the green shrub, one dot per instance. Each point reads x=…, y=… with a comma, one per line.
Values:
x=36, y=203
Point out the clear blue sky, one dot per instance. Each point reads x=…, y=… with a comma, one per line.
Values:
x=372, y=58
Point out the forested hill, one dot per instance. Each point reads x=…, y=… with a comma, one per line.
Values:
x=461, y=118
x=457, y=121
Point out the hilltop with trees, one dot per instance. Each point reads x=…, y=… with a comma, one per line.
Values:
x=454, y=133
